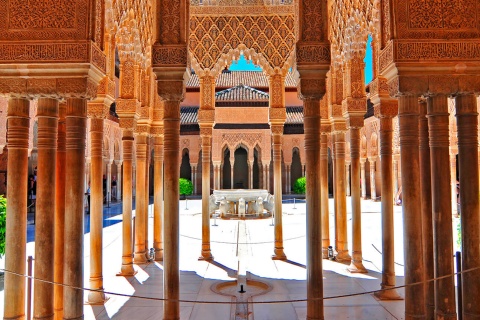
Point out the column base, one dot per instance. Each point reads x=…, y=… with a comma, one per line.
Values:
x=343, y=256
x=279, y=255
x=357, y=267
x=127, y=271
x=158, y=254
x=386, y=294
x=140, y=258
x=58, y=314
x=453, y=316
x=206, y=255
x=97, y=297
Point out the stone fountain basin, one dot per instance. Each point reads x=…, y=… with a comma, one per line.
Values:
x=235, y=194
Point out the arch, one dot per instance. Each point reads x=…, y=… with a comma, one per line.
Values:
x=185, y=168
x=240, y=168
x=296, y=167
x=227, y=168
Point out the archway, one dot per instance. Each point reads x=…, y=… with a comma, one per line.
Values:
x=185, y=168
x=296, y=168
x=227, y=168
x=256, y=171
x=240, y=169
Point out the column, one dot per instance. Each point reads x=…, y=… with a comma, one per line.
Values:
x=347, y=177
x=324, y=194
x=373, y=190
x=76, y=123
x=232, y=165
x=289, y=179
x=60, y=212
x=356, y=265
x=158, y=199
x=341, y=241
x=47, y=115
x=267, y=177
x=96, y=210
x=171, y=274
x=206, y=136
x=277, y=132
x=395, y=177
x=109, y=180
x=18, y=123
x=216, y=175
x=363, y=178
x=250, y=174
x=388, y=240
x=453, y=183
x=426, y=209
x=467, y=124
x=437, y=107
x=412, y=229
x=119, y=180
x=127, y=259
x=194, y=177
x=147, y=195
x=140, y=254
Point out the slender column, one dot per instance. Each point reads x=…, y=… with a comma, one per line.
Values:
x=289, y=179
x=109, y=180
x=267, y=176
x=341, y=199
x=147, y=195
x=356, y=264
x=277, y=131
x=171, y=275
x=363, y=178
x=134, y=180
x=158, y=199
x=140, y=255
x=324, y=194
x=314, y=219
x=453, y=183
x=395, y=177
x=388, y=240
x=206, y=136
x=426, y=209
x=441, y=206
x=76, y=122
x=194, y=178
x=18, y=124
x=250, y=179
x=412, y=233
x=373, y=189
x=127, y=259
x=232, y=164
x=96, y=211
x=347, y=180
x=60, y=212
x=119, y=180
x=467, y=124
x=47, y=115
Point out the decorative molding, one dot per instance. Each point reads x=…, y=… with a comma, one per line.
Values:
x=277, y=115
x=313, y=53
x=169, y=55
x=250, y=10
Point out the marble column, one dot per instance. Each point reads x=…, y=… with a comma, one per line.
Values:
x=141, y=206
x=127, y=257
x=341, y=241
x=467, y=124
x=171, y=274
x=395, y=177
x=426, y=209
x=324, y=194
x=347, y=179
x=277, y=132
x=158, y=199
x=119, y=180
x=412, y=229
x=363, y=178
x=47, y=115
x=76, y=124
x=356, y=265
x=206, y=129
x=437, y=107
x=314, y=219
x=60, y=212
x=388, y=239
x=288, y=187
x=109, y=180
x=267, y=177
x=96, y=211
x=18, y=123
x=373, y=190
x=453, y=183
x=250, y=175
x=232, y=165
x=194, y=177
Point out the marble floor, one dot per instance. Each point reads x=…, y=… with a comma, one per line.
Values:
x=139, y=297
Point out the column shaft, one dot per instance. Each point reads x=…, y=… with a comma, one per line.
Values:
x=348, y=190
x=341, y=199
x=140, y=255
x=412, y=229
x=373, y=190
x=47, y=115
x=18, y=124
x=324, y=194
x=453, y=183
x=76, y=120
x=441, y=206
x=363, y=179
x=206, y=253
x=158, y=200
x=60, y=213
x=232, y=165
x=96, y=211
x=119, y=181
x=277, y=192
x=171, y=274
x=109, y=180
x=467, y=124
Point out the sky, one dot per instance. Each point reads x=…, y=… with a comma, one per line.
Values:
x=243, y=65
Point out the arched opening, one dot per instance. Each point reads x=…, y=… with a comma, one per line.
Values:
x=185, y=168
x=227, y=168
x=240, y=169
x=256, y=171
x=296, y=169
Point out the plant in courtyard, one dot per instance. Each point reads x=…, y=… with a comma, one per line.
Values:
x=300, y=185
x=186, y=187
x=3, y=224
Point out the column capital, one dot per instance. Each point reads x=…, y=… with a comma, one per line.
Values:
x=386, y=108
x=171, y=89
x=277, y=116
x=206, y=116
x=338, y=125
x=206, y=131
x=98, y=109
x=277, y=129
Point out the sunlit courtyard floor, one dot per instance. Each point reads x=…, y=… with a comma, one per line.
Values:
x=286, y=279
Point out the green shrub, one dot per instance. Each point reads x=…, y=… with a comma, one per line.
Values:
x=3, y=224
x=186, y=187
x=300, y=186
